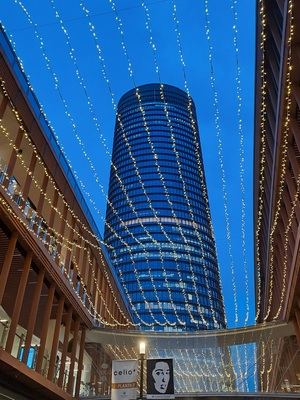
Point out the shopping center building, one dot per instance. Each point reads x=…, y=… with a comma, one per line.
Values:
x=55, y=279
x=277, y=175
x=58, y=289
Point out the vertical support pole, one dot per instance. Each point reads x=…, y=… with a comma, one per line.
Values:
x=104, y=295
x=106, y=292
x=46, y=320
x=73, y=357
x=7, y=263
x=53, y=212
x=42, y=196
x=13, y=157
x=85, y=268
x=3, y=106
x=33, y=313
x=89, y=274
x=52, y=220
x=55, y=340
x=297, y=323
x=62, y=229
x=82, y=259
x=111, y=307
x=114, y=308
x=77, y=281
x=65, y=348
x=81, y=254
x=142, y=376
x=71, y=239
x=92, y=380
x=80, y=362
x=18, y=302
x=28, y=179
x=97, y=289
x=120, y=317
x=94, y=279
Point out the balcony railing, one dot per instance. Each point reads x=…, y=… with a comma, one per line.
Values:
x=38, y=226
x=18, y=350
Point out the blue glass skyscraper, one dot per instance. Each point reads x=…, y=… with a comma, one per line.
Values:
x=157, y=220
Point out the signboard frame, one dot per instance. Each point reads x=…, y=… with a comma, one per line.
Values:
x=124, y=378
x=160, y=378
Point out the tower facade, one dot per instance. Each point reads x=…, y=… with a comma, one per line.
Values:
x=158, y=227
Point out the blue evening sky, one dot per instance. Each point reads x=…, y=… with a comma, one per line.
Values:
x=191, y=16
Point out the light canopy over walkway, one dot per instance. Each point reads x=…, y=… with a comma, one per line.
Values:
x=249, y=362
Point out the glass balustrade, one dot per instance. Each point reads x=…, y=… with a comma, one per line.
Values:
x=253, y=362
x=18, y=352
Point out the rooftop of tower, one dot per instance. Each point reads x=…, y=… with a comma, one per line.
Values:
x=152, y=91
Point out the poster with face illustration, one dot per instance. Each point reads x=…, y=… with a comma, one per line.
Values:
x=160, y=380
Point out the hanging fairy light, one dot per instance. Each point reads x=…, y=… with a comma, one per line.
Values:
x=283, y=160
x=155, y=157
x=220, y=152
x=262, y=370
x=94, y=314
x=239, y=99
x=68, y=114
x=153, y=47
x=291, y=219
x=81, y=143
x=221, y=156
x=130, y=70
x=270, y=368
x=262, y=155
x=92, y=234
x=120, y=28
x=183, y=369
x=193, y=125
x=49, y=200
x=20, y=157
